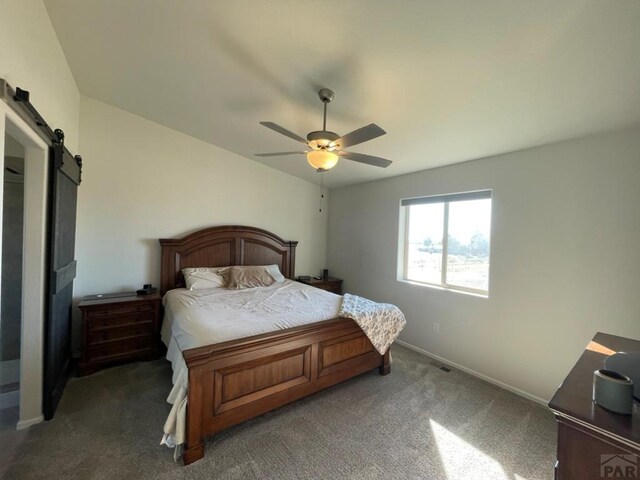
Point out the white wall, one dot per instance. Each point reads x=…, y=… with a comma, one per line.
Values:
x=565, y=257
x=31, y=58
x=142, y=181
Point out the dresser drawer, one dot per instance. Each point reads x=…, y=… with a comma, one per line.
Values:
x=124, y=348
x=103, y=335
x=102, y=319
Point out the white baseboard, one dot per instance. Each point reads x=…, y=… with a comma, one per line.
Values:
x=9, y=399
x=486, y=378
x=22, y=424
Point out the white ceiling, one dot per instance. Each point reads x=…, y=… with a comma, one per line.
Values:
x=449, y=81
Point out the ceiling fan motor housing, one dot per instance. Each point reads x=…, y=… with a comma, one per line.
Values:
x=322, y=139
x=326, y=95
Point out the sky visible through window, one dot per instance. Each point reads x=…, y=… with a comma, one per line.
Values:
x=468, y=218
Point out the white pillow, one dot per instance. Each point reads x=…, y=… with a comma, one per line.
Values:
x=198, y=278
x=274, y=271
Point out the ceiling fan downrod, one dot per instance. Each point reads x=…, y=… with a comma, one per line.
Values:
x=326, y=95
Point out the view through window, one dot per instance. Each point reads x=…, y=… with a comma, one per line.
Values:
x=447, y=240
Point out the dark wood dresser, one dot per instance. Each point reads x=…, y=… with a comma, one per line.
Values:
x=117, y=329
x=594, y=443
x=330, y=284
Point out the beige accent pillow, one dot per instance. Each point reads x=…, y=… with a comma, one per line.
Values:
x=198, y=278
x=241, y=277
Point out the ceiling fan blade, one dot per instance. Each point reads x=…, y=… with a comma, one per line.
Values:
x=368, y=159
x=360, y=135
x=283, y=131
x=278, y=154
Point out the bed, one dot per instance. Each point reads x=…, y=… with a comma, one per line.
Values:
x=233, y=381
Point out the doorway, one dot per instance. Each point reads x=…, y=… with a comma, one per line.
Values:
x=18, y=137
x=11, y=281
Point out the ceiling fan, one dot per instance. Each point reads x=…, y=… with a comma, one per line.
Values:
x=325, y=148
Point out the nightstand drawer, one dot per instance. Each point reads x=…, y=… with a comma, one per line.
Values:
x=117, y=318
x=124, y=348
x=330, y=284
x=333, y=288
x=107, y=311
x=96, y=337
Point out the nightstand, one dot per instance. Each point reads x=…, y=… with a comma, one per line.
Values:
x=118, y=328
x=331, y=284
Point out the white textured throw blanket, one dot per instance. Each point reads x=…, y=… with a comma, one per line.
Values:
x=381, y=322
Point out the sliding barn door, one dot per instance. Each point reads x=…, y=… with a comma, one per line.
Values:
x=63, y=188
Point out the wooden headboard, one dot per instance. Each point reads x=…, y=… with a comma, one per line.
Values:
x=223, y=246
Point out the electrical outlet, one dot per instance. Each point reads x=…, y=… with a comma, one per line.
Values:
x=436, y=327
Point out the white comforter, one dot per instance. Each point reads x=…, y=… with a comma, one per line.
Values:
x=203, y=317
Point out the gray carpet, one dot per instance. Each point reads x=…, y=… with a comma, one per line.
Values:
x=417, y=423
x=9, y=417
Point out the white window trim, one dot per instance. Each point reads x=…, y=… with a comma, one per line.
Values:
x=447, y=288
x=445, y=246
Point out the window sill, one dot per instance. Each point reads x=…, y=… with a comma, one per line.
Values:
x=445, y=288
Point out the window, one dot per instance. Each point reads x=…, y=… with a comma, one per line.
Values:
x=446, y=240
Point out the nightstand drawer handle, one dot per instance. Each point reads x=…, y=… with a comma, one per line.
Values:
x=121, y=320
x=117, y=334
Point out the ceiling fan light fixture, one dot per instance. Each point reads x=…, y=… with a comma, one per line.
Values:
x=322, y=159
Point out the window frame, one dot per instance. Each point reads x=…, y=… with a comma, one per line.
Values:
x=445, y=200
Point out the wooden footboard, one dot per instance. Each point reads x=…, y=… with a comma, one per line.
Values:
x=234, y=381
